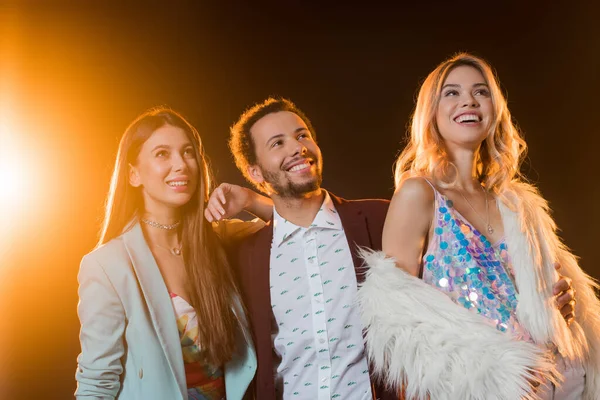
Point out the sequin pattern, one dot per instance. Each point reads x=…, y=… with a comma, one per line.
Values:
x=461, y=262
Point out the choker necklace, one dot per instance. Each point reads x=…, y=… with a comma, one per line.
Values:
x=161, y=226
x=176, y=251
x=489, y=227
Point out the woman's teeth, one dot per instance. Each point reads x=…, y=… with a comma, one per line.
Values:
x=178, y=183
x=467, y=118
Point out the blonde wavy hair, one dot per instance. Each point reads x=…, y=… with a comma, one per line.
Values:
x=499, y=157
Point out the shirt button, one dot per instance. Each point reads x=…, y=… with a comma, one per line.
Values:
x=321, y=340
x=324, y=379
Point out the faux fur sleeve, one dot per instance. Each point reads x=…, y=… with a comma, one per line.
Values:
x=417, y=336
x=534, y=246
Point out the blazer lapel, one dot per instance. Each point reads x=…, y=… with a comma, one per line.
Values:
x=260, y=259
x=255, y=269
x=158, y=301
x=357, y=232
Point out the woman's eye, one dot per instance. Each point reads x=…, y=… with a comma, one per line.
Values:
x=188, y=152
x=451, y=93
x=162, y=153
x=482, y=92
x=276, y=143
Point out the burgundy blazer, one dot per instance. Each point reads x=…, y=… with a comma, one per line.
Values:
x=363, y=224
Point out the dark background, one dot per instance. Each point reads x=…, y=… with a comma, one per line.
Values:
x=73, y=75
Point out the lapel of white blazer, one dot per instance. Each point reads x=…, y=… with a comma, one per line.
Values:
x=158, y=301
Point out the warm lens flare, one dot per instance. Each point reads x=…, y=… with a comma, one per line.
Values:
x=15, y=186
x=12, y=179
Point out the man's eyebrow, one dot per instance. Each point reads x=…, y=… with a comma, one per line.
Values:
x=278, y=136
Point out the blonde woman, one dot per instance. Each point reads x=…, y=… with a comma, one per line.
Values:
x=481, y=323
x=160, y=310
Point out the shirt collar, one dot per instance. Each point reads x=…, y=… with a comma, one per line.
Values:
x=326, y=218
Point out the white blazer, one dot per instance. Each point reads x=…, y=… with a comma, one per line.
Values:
x=130, y=346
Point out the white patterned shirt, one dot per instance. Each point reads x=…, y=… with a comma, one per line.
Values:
x=317, y=333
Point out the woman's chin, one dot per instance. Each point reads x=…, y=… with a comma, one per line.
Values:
x=176, y=202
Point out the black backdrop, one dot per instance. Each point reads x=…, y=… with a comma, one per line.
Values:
x=76, y=74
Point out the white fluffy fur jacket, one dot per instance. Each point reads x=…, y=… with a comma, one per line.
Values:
x=418, y=338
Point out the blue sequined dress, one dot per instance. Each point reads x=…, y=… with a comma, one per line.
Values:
x=474, y=273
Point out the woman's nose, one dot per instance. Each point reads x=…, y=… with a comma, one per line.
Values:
x=179, y=163
x=470, y=101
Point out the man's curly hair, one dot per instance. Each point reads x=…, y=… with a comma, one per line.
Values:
x=241, y=143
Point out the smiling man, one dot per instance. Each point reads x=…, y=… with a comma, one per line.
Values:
x=303, y=265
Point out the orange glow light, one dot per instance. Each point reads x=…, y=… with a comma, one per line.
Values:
x=12, y=175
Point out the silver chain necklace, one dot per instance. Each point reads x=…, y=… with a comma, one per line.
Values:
x=161, y=226
x=487, y=210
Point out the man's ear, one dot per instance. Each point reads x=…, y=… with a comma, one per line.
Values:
x=134, y=176
x=255, y=174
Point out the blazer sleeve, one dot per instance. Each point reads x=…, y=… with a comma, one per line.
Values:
x=102, y=318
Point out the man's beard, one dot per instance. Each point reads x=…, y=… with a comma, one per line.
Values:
x=282, y=186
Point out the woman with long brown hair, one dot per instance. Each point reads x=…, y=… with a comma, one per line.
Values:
x=160, y=310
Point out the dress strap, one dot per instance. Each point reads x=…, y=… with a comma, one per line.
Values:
x=430, y=184
x=431, y=239
x=436, y=194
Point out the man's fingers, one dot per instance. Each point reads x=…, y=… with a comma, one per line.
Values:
x=214, y=212
x=211, y=214
x=207, y=215
x=557, y=266
x=568, y=309
x=221, y=194
x=569, y=318
x=562, y=285
x=565, y=298
x=214, y=203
